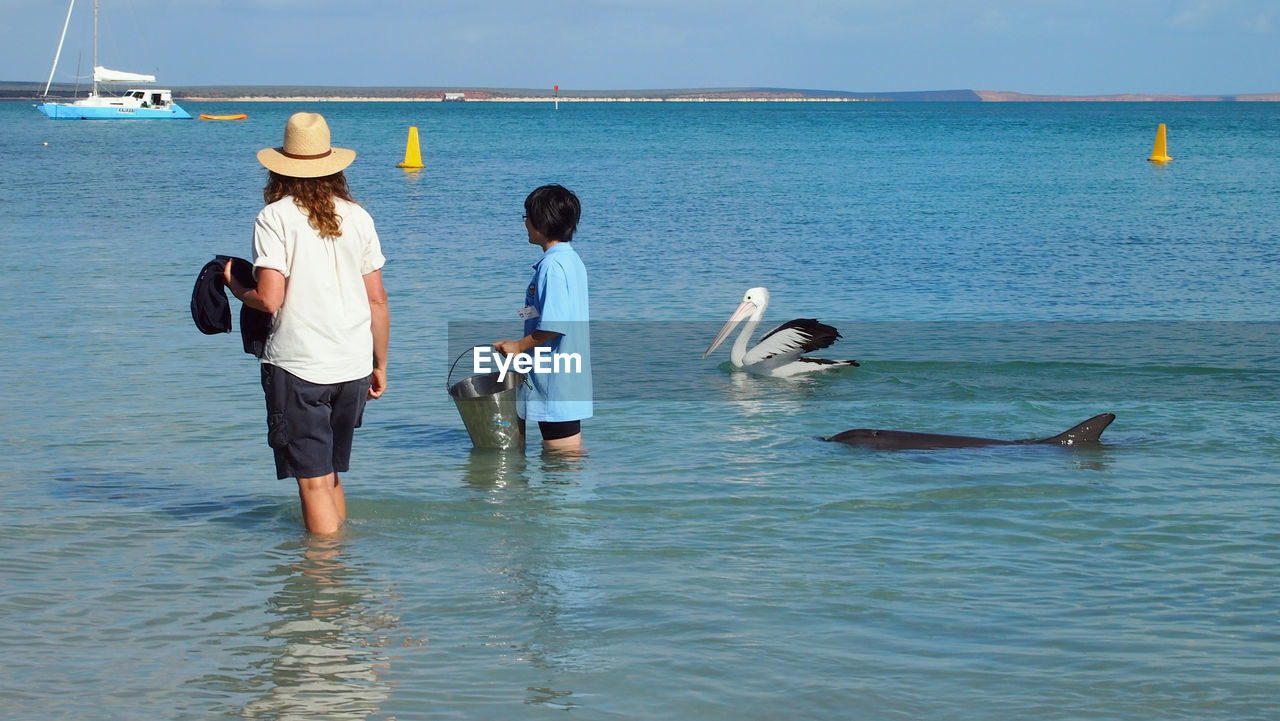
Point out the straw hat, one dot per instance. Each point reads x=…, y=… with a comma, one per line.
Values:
x=306, y=152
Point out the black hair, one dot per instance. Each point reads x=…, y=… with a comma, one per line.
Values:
x=553, y=210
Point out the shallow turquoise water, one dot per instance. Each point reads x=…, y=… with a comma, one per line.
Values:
x=708, y=558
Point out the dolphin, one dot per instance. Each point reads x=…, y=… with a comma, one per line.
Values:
x=1085, y=434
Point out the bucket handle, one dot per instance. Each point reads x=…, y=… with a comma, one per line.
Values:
x=448, y=379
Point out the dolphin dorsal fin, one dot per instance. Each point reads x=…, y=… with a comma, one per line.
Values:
x=1087, y=432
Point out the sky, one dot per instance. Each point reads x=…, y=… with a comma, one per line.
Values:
x=1059, y=47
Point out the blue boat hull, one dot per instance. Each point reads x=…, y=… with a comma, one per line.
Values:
x=67, y=111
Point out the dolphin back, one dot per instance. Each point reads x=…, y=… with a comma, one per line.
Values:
x=1086, y=433
x=908, y=440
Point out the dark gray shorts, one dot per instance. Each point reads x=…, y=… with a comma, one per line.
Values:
x=310, y=425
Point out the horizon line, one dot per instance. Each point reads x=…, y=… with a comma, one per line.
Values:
x=14, y=90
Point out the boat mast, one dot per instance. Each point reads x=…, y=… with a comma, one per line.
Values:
x=95, y=49
x=59, y=53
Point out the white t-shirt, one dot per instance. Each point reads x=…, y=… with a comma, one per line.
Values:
x=321, y=332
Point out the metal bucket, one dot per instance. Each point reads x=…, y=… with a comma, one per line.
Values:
x=488, y=407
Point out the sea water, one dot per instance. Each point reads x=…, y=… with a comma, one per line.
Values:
x=999, y=270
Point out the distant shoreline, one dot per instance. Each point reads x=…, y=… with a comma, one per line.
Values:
x=547, y=99
x=32, y=91
x=983, y=96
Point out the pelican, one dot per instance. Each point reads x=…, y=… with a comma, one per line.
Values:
x=778, y=352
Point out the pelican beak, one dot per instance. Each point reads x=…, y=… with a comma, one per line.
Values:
x=745, y=309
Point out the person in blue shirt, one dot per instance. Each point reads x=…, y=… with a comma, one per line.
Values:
x=557, y=339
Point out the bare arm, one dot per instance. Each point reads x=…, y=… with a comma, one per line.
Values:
x=267, y=297
x=380, y=324
x=533, y=340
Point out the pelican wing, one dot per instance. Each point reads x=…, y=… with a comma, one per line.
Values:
x=789, y=340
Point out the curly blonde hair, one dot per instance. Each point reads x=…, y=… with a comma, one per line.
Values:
x=314, y=196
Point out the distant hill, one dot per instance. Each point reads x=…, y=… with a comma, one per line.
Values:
x=28, y=90
x=31, y=91
x=998, y=96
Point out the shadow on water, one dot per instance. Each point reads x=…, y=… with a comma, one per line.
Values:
x=327, y=638
x=418, y=437
x=180, y=500
x=99, y=486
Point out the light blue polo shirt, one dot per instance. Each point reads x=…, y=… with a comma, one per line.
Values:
x=558, y=292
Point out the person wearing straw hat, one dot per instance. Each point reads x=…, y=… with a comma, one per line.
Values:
x=318, y=266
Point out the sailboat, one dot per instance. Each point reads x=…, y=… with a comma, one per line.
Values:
x=134, y=104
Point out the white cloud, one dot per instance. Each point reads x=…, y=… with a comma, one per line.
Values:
x=1196, y=14
x=1261, y=24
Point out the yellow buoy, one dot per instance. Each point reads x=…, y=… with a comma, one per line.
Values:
x=1160, y=154
x=412, y=154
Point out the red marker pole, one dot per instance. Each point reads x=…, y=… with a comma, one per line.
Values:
x=557, y=96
